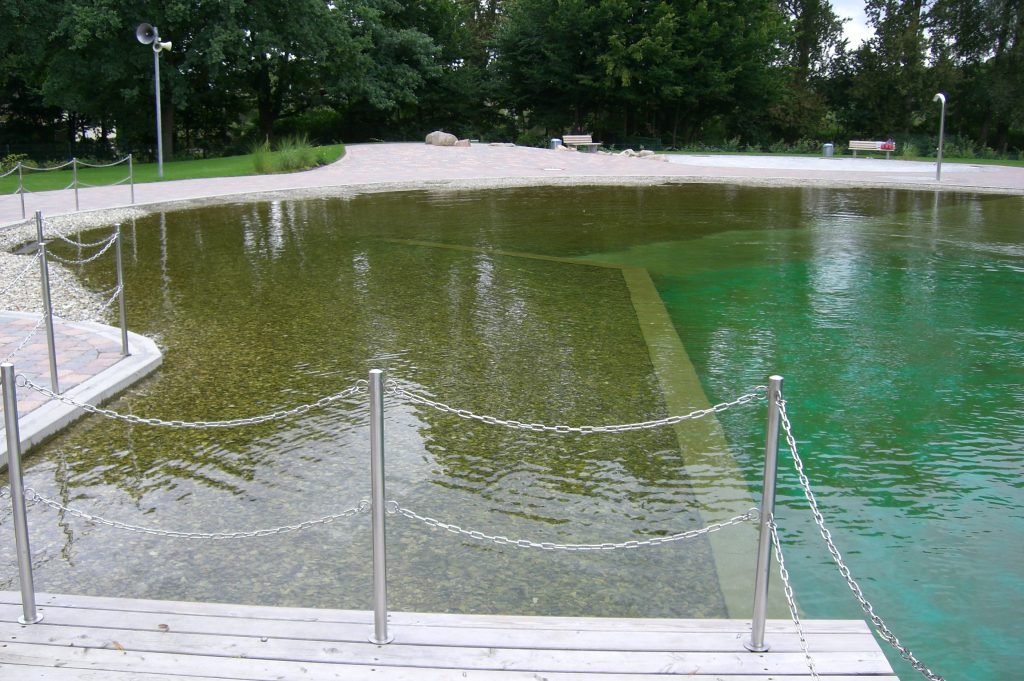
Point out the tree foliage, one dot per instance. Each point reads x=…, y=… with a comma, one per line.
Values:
x=720, y=71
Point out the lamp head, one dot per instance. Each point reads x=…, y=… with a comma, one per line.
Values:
x=145, y=34
x=939, y=98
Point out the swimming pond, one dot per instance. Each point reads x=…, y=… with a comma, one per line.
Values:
x=896, y=318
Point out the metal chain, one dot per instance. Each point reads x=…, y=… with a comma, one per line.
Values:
x=110, y=241
x=360, y=386
x=102, y=165
x=33, y=260
x=26, y=339
x=879, y=624
x=395, y=389
x=81, y=244
x=790, y=598
x=35, y=169
x=393, y=508
x=31, y=495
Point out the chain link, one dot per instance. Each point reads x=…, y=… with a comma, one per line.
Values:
x=879, y=624
x=109, y=242
x=790, y=598
x=31, y=495
x=26, y=339
x=395, y=389
x=394, y=508
x=360, y=386
x=32, y=262
x=80, y=244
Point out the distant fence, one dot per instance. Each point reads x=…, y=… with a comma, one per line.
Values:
x=23, y=169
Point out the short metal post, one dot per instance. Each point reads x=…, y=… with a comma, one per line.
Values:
x=131, y=177
x=74, y=179
x=380, y=583
x=21, y=190
x=39, y=226
x=28, y=592
x=942, y=133
x=51, y=346
x=764, y=547
x=120, y=295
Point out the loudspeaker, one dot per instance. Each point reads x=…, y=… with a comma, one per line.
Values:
x=145, y=34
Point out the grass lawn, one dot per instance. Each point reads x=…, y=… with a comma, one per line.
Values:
x=228, y=166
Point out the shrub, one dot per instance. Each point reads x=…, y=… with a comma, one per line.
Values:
x=909, y=150
x=11, y=160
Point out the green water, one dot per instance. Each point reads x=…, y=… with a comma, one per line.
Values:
x=896, y=317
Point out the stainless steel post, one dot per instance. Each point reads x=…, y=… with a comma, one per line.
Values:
x=21, y=190
x=51, y=345
x=74, y=178
x=159, y=122
x=764, y=547
x=131, y=177
x=120, y=295
x=28, y=592
x=942, y=133
x=39, y=226
x=380, y=582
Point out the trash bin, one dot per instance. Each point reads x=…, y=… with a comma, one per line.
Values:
x=827, y=150
x=554, y=143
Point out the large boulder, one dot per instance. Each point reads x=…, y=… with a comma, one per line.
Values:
x=442, y=139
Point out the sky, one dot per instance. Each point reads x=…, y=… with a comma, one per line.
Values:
x=857, y=29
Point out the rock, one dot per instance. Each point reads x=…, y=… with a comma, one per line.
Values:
x=659, y=157
x=461, y=143
x=628, y=153
x=442, y=139
x=563, y=148
x=645, y=153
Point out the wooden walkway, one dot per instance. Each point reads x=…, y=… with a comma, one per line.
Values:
x=112, y=639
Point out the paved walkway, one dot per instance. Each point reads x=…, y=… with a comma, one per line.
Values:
x=407, y=165
x=89, y=354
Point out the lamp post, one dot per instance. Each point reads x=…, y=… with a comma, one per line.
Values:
x=149, y=35
x=942, y=131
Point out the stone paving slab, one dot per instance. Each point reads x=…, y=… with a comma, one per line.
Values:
x=90, y=369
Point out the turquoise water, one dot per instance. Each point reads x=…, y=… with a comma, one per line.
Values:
x=896, y=318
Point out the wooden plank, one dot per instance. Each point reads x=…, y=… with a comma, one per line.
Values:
x=194, y=667
x=33, y=673
x=259, y=612
x=203, y=646
x=481, y=636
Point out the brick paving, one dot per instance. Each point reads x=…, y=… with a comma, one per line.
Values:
x=82, y=353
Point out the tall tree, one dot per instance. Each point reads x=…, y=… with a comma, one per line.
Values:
x=979, y=58
x=891, y=79
x=814, y=45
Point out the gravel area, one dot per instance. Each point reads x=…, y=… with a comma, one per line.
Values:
x=20, y=289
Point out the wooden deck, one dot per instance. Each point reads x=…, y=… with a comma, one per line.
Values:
x=120, y=639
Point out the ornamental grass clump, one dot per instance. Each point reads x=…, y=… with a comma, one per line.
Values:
x=291, y=154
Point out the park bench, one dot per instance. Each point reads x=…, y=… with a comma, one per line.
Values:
x=577, y=141
x=861, y=145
